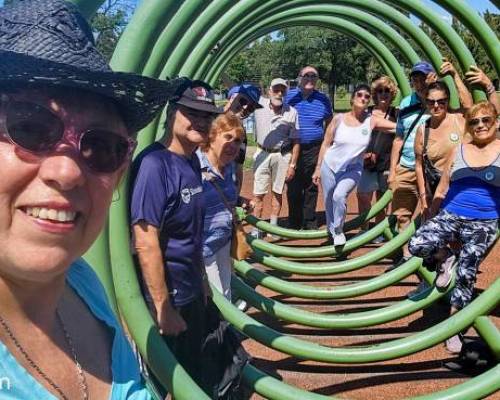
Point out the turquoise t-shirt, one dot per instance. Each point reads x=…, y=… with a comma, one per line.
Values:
x=408, y=111
x=16, y=383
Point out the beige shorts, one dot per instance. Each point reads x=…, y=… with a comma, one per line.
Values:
x=269, y=168
x=405, y=195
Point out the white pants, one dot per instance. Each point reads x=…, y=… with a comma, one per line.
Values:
x=218, y=268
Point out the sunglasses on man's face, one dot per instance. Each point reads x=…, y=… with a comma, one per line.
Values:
x=362, y=95
x=38, y=130
x=309, y=76
x=439, y=102
x=487, y=121
x=383, y=91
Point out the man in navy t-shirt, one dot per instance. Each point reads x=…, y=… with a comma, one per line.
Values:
x=315, y=113
x=167, y=215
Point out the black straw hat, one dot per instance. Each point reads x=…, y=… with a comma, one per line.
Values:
x=48, y=42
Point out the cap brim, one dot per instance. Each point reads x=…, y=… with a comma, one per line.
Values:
x=139, y=98
x=195, y=105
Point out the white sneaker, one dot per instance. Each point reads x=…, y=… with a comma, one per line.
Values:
x=339, y=239
x=454, y=344
x=445, y=273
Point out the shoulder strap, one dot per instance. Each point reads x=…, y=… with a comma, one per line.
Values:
x=211, y=178
x=426, y=137
x=414, y=123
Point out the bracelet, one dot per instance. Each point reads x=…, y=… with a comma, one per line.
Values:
x=422, y=194
x=490, y=89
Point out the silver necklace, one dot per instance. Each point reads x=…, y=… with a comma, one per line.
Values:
x=81, y=376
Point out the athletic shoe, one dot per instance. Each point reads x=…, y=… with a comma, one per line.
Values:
x=242, y=305
x=422, y=286
x=339, y=239
x=445, y=273
x=401, y=261
x=454, y=344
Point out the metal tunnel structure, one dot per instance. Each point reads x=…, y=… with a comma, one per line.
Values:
x=197, y=38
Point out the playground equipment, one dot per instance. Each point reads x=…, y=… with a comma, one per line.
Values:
x=198, y=38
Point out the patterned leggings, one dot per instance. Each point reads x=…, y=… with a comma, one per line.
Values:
x=476, y=237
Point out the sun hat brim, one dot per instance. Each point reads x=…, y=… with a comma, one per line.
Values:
x=139, y=98
x=196, y=105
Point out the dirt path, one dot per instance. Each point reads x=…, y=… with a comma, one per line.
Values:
x=417, y=374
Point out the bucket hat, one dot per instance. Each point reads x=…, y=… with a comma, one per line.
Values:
x=48, y=42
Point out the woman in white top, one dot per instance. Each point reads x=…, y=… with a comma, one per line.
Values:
x=340, y=160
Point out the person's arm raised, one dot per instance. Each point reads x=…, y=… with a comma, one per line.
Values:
x=383, y=125
x=476, y=76
x=464, y=95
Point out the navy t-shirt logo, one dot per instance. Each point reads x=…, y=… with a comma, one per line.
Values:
x=186, y=195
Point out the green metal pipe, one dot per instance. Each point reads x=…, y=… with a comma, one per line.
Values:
x=490, y=333
x=136, y=314
x=452, y=39
x=375, y=7
x=353, y=320
x=364, y=19
x=478, y=26
x=397, y=348
x=371, y=42
x=323, y=251
x=350, y=225
x=327, y=292
x=337, y=267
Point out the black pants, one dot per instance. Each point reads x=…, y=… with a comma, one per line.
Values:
x=302, y=194
x=186, y=347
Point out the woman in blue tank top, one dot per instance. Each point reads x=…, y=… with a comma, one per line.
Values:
x=467, y=204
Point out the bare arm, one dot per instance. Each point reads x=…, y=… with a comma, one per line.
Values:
x=397, y=145
x=327, y=142
x=444, y=184
x=464, y=95
x=148, y=249
x=419, y=169
x=383, y=125
x=293, y=161
x=475, y=76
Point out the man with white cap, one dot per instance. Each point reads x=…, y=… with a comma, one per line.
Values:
x=277, y=134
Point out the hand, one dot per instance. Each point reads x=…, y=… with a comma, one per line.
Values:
x=447, y=68
x=431, y=78
x=476, y=76
x=424, y=207
x=316, y=177
x=170, y=322
x=290, y=173
x=247, y=205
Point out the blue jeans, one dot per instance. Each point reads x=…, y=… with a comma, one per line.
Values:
x=336, y=188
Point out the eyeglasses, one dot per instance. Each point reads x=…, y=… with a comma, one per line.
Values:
x=365, y=96
x=37, y=130
x=309, y=76
x=383, y=91
x=485, y=120
x=440, y=102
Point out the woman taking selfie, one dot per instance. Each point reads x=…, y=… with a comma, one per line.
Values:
x=467, y=204
x=66, y=126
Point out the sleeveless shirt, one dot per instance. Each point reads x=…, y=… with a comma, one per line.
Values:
x=474, y=192
x=349, y=145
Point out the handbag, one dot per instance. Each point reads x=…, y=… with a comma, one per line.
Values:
x=240, y=249
x=432, y=175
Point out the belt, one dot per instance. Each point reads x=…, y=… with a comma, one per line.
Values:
x=268, y=150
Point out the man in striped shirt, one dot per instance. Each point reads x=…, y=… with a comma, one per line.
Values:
x=315, y=113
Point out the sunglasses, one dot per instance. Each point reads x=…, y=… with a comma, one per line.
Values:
x=440, y=102
x=309, y=76
x=37, y=130
x=485, y=120
x=365, y=96
x=383, y=91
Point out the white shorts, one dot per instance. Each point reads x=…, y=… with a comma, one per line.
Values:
x=269, y=167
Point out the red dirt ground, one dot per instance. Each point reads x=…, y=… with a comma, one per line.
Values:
x=418, y=374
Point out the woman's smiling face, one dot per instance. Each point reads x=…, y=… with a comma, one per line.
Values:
x=52, y=206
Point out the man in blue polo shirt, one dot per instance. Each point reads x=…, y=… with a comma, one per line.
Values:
x=315, y=113
x=167, y=214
